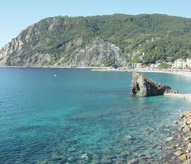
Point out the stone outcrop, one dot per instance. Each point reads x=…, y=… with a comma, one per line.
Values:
x=142, y=86
x=96, y=53
x=47, y=43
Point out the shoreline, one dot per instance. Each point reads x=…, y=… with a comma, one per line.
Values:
x=186, y=96
x=181, y=147
x=184, y=73
x=108, y=69
x=146, y=70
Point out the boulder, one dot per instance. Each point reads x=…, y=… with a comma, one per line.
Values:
x=142, y=86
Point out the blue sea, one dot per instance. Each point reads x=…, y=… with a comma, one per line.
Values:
x=78, y=116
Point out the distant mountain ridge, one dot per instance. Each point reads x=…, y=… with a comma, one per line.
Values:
x=99, y=41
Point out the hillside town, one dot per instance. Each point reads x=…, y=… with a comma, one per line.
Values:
x=177, y=64
x=181, y=63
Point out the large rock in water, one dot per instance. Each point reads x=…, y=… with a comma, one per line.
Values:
x=142, y=86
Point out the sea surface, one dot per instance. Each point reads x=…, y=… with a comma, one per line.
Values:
x=78, y=116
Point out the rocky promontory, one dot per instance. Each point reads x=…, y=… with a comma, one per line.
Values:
x=142, y=86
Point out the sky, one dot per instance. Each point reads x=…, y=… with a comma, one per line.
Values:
x=16, y=15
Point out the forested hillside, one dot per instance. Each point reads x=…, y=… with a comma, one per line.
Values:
x=100, y=41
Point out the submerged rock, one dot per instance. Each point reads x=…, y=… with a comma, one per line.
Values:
x=183, y=150
x=172, y=147
x=183, y=157
x=128, y=137
x=85, y=157
x=178, y=153
x=187, y=162
x=170, y=139
x=133, y=161
x=142, y=86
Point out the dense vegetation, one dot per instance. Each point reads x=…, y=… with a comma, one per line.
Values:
x=159, y=37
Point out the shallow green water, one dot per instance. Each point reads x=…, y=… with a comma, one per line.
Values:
x=81, y=116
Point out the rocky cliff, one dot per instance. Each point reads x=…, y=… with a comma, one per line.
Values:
x=142, y=86
x=94, y=54
x=99, y=41
x=48, y=44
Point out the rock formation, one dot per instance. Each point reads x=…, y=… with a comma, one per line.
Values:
x=94, y=54
x=142, y=86
x=58, y=41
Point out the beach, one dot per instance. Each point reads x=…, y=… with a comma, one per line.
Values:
x=183, y=72
x=186, y=97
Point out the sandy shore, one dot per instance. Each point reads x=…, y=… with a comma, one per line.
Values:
x=186, y=73
x=186, y=97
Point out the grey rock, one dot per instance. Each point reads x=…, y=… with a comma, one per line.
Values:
x=183, y=157
x=95, y=53
x=178, y=153
x=142, y=86
x=176, y=123
x=170, y=139
x=187, y=139
x=172, y=147
x=187, y=162
x=182, y=116
x=128, y=137
x=188, y=155
x=133, y=161
x=186, y=129
x=189, y=147
x=85, y=157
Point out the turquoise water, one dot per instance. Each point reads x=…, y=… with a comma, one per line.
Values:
x=81, y=116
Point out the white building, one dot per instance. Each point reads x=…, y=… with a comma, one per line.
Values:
x=179, y=63
x=188, y=62
x=154, y=65
x=169, y=63
x=134, y=65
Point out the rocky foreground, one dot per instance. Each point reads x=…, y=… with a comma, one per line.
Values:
x=183, y=149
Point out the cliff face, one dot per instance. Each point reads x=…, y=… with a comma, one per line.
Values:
x=14, y=45
x=94, y=54
x=26, y=49
x=47, y=43
x=97, y=41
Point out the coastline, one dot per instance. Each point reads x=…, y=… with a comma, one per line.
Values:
x=186, y=73
x=186, y=97
x=180, y=141
x=182, y=72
